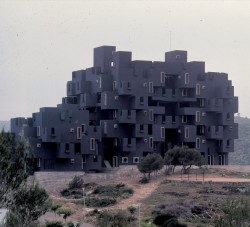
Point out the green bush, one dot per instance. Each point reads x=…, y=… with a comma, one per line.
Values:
x=167, y=220
x=66, y=212
x=55, y=207
x=144, y=180
x=65, y=192
x=70, y=224
x=53, y=224
x=131, y=209
x=72, y=193
x=76, y=183
x=99, y=202
x=111, y=219
x=113, y=190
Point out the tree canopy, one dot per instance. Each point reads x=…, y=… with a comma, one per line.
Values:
x=150, y=163
x=14, y=167
x=183, y=156
x=25, y=202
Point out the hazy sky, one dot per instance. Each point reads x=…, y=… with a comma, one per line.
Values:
x=42, y=42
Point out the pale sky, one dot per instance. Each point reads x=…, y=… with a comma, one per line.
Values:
x=42, y=42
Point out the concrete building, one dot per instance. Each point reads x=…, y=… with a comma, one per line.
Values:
x=120, y=110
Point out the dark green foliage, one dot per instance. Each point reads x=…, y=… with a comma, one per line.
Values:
x=14, y=167
x=162, y=218
x=112, y=219
x=113, y=190
x=99, y=202
x=167, y=220
x=151, y=163
x=30, y=203
x=26, y=203
x=73, y=193
x=66, y=212
x=76, y=183
x=75, y=188
x=70, y=224
x=236, y=213
x=55, y=207
x=144, y=180
x=131, y=209
x=53, y=224
x=183, y=156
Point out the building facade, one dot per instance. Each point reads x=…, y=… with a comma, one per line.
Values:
x=120, y=110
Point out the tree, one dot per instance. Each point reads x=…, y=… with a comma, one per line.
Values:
x=171, y=157
x=152, y=162
x=26, y=203
x=183, y=156
x=30, y=203
x=14, y=167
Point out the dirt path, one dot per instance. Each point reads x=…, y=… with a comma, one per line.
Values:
x=142, y=191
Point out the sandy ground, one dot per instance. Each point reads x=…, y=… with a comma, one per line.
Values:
x=142, y=191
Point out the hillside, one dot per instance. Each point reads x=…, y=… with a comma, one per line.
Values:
x=5, y=125
x=242, y=145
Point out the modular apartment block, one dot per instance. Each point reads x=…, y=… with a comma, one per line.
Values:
x=120, y=110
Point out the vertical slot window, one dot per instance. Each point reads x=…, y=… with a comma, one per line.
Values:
x=105, y=99
x=186, y=132
x=151, y=142
x=184, y=92
x=198, y=116
x=151, y=87
x=92, y=144
x=151, y=114
x=114, y=85
x=198, y=89
x=83, y=128
x=79, y=133
x=38, y=131
x=163, y=77
x=198, y=143
x=162, y=132
x=187, y=78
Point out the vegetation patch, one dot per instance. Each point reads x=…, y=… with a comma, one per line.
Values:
x=113, y=190
x=106, y=195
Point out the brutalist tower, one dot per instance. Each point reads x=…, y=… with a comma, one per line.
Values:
x=120, y=110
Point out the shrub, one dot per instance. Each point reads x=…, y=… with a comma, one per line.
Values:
x=99, y=202
x=70, y=224
x=65, y=192
x=77, y=182
x=53, y=224
x=131, y=209
x=55, y=207
x=66, y=212
x=162, y=218
x=113, y=190
x=144, y=180
x=110, y=219
x=72, y=193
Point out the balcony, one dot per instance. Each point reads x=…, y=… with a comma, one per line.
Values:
x=127, y=116
x=225, y=92
x=171, y=121
x=215, y=105
x=128, y=144
x=214, y=132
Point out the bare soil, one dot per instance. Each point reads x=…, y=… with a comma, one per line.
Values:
x=130, y=176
